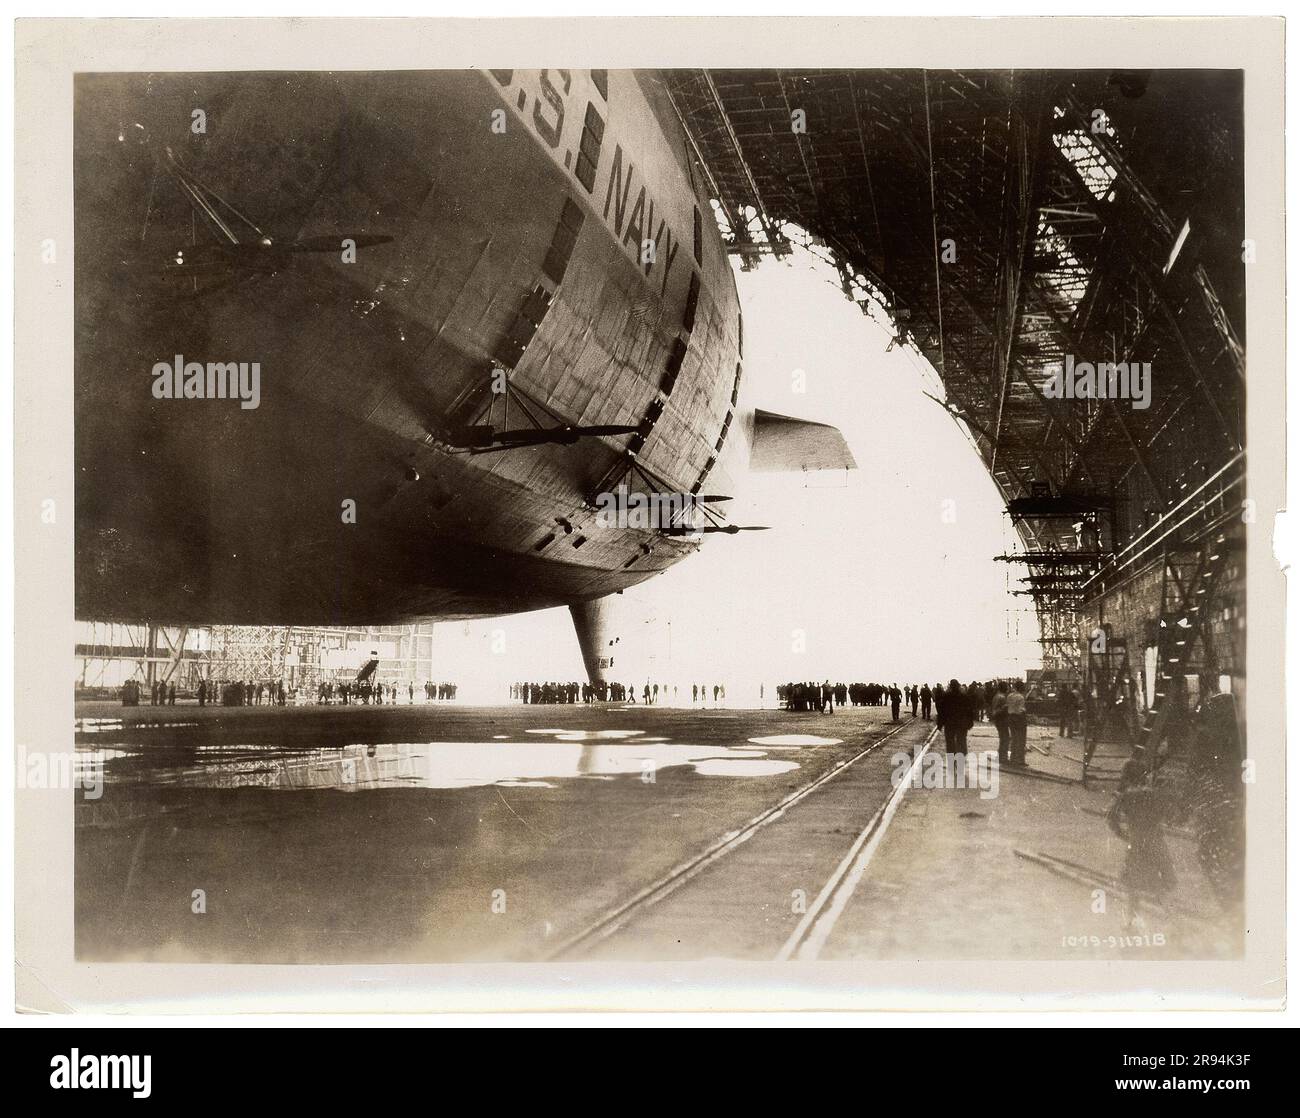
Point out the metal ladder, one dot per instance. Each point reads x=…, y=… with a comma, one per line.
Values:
x=1106, y=702
x=1184, y=645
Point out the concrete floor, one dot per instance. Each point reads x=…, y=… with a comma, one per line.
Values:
x=446, y=833
x=950, y=878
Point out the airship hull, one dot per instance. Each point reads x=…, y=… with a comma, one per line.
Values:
x=516, y=251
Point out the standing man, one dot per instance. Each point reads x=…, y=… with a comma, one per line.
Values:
x=998, y=709
x=967, y=705
x=1017, y=723
x=946, y=716
x=954, y=717
x=926, y=696
x=1068, y=707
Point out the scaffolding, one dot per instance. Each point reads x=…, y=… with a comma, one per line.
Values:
x=307, y=656
x=1013, y=225
x=110, y=653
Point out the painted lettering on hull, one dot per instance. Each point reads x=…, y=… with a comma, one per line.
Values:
x=570, y=114
x=633, y=233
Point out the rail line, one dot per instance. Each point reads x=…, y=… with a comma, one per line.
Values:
x=670, y=882
x=811, y=933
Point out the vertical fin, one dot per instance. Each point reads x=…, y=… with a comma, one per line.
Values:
x=599, y=625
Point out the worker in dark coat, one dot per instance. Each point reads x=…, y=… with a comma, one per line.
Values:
x=998, y=713
x=955, y=717
x=1068, y=706
x=1140, y=810
x=1017, y=721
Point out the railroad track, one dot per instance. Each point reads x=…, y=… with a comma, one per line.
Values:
x=812, y=931
x=670, y=882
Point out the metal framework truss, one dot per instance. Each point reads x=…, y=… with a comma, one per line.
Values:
x=1016, y=226
x=111, y=653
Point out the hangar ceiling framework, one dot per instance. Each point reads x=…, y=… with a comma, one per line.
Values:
x=1013, y=223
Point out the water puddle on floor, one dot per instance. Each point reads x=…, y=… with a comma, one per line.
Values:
x=796, y=740
x=112, y=725
x=571, y=754
x=97, y=725
x=589, y=735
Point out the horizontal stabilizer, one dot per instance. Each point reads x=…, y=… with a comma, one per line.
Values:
x=784, y=443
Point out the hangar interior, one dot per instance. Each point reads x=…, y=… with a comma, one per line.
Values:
x=1010, y=224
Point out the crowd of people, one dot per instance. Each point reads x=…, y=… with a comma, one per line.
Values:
x=247, y=692
x=243, y=692
x=959, y=706
x=160, y=694
x=826, y=696
x=551, y=692
x=379, y=693
x=821, y=697
x=956, y=707
x=649, y=694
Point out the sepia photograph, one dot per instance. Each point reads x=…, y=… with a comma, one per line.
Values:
x=671, y=514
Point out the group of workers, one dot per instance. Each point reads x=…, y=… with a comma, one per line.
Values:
x=247, y=692
x=651, y=694
x=243, y=692
x=958, y=707
x=826, y=696
x=379, y=693
x=549, y=692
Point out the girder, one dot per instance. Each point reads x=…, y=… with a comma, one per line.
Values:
x=1009, y=223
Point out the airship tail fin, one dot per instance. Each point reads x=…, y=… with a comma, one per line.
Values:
x=599, y=627
x=782, y=442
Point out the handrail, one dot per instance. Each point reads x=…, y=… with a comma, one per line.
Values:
x=1115, y=565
